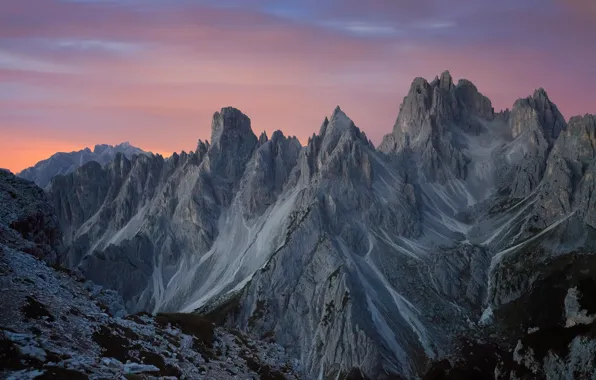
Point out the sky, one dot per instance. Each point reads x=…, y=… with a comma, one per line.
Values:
x=75, y=73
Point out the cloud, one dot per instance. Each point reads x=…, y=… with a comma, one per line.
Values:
x=13, y=61
x=362, y=28
x=435, y=24
x=89, y=45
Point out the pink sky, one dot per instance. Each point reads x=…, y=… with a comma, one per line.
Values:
x=78, y=73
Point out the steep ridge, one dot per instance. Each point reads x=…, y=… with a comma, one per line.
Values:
x=64, y=163
x=348, y=255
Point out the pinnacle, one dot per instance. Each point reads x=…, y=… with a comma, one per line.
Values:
x=230, y=120
x=446, y=81
x=540, y=93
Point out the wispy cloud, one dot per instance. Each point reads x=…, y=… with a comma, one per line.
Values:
x=434, y=24
x=11, y=61
x=96, y=45
x=362, y=28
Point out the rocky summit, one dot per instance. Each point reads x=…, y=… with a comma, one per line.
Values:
x=459, y=248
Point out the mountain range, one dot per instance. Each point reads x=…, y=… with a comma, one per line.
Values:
x=462, y=244
x=55, y=324
x=64, y=163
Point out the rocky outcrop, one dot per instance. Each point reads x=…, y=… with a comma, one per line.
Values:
x=64, y=163
x=549, y=332
x=538, y=112
x=27, y=220
x=60, y=326
x=535, y=124
x=569, y=174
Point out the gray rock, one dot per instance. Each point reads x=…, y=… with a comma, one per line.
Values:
x=535, y=124
x=430, y=124
x=64, y=163
x=27, y=220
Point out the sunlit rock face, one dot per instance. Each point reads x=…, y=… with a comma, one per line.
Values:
x=348, y=255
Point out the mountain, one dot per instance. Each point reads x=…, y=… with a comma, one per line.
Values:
x=376, y=261
x=64, y=163
x=61, y=326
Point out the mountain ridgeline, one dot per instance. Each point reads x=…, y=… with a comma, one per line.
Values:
x=375, y=261
x=64, y=163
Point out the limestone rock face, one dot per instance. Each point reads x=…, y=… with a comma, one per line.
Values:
x=537, y=111
x=430, y=124
x=270, y=169
x=232, y=144
x=535, y=124
x=356, y=259
x=568, y=181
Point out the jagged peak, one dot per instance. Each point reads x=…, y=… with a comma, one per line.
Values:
x=337, y=112
x=419, y=84
x=463, y=82
x=99, y=148
x=339, y=117
x=230, y=121
x=538, y=99
x=323, y=128
x=202, y=146
x=586, y=120
x=263, y=138
x=232, y=144
x=446, y=81
x=543, y=110
x=339, y=120
x=446, y=104
x=540, y=93
x=277, y=135
x=332, y=129
x=340, y=126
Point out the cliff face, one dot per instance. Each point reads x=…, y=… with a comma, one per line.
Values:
x=348, y=255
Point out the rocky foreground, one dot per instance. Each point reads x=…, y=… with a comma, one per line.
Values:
x=56, y=325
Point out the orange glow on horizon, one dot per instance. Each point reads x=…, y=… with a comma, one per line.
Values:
x=156, y=78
